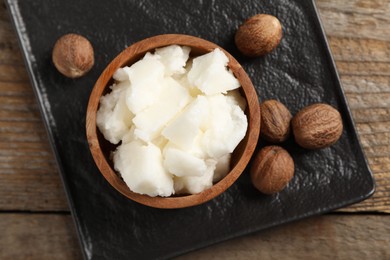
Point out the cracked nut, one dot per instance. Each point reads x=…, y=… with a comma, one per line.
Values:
x=258, y=35
x=275, y=121
x=317, y=126
x=272, y=169
x=73, y=55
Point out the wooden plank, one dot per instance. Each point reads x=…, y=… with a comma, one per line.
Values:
x=13, y=73
x=326, y=237
x=23, y=127
x=365, y=84
x=367, y=115
x=52, y=236
x=373, y=127
x=363, y=68
x=38, y=236
x=20, y=189
x=379, y=150
x=15, y=89
x=31, y=115
x=358, y=36
x=29, y=179
x=9, y=50
x=356, y=18
x=345, y=49
x=368, y=100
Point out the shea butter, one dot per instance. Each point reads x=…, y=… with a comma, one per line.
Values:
x=175, y=120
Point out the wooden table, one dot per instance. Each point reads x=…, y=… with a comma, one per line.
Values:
x=34, y=216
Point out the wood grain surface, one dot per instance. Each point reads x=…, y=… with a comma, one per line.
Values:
x=52, y=236
x=358, y=34
x=34, y=214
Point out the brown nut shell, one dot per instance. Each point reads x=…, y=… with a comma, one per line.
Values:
x=275, y=121
x=258, y=35
x=73, y=55
x=317, y=126
x=272, y=169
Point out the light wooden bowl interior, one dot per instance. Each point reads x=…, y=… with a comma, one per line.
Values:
x=100, y=148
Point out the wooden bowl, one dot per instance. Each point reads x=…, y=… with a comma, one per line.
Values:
x=100, y=148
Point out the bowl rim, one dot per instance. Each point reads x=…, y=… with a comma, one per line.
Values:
x=138, y=49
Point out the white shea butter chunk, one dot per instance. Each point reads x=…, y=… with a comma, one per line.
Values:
x=234, y=97
x=150, y=121
x=222, y=168
x=209, y=73
x=145, y=77
x=227, y=126
x=129, y=136
x=196, y=184
x=113, y=117
x=121, y=74
x=183, y=80
x=184, y=129
x=142, y=170
x=174, y=59
x=180, y=163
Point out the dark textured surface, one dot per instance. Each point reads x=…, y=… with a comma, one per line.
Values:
x=298, y=73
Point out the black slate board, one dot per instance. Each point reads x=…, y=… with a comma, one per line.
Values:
x=298, y=73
